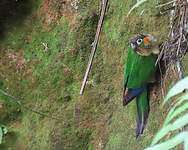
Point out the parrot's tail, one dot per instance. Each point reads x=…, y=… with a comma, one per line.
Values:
x=143, y=109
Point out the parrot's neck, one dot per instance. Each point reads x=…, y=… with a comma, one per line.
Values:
x=156, y=51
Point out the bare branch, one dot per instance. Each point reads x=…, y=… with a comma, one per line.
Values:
x=168, y=3
x=94, y=45
x=27, y=108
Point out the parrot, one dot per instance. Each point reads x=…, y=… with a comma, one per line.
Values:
x=139, y=72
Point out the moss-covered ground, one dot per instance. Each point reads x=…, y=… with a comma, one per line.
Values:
x=44, y=50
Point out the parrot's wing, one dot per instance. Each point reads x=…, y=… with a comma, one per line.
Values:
x=141, y=70
x=129, y=95
x=132, y=93
x=128, y=66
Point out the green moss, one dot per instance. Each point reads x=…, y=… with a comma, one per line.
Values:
x=115, y=141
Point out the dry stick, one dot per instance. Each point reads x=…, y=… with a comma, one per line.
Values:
x=27, y=108
x=181, y=30
x=162, y=5
x=162, y=90
x=178, y=64
x=166, y=10
x=160, y=56
x=94, y=45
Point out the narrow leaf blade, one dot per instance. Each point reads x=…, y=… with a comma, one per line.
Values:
x=171, y=143
x=178, y=88
x=1, y=135
x=135, y=6
x=176, y=112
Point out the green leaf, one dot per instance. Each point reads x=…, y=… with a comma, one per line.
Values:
x=178, y=88
x=182, y=121
x=180, y=100
x=161, y=134
x=1, y=135
x=176, y=125
x=5, y=130
x=135, y=6
x=171, y=143
x=176, y=112
x=186, y=143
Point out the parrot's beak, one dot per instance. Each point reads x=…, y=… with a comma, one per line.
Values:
x=133, y=47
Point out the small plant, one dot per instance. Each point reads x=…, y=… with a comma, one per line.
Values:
x=180, y=117
x=139, y=2
x=3, y=131
x=74, y=4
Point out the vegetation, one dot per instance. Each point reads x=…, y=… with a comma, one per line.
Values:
x=178, y=115
x=43, y=57
x=3, y=131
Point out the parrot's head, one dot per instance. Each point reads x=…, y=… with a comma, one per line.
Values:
x=144, y=44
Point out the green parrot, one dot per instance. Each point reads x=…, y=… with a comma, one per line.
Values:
x=139, y=72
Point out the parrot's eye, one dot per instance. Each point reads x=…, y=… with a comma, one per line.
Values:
x=139, y=41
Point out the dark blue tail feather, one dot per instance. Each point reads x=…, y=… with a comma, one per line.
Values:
x=142, y=116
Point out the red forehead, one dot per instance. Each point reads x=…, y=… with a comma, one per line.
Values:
x=147, y=40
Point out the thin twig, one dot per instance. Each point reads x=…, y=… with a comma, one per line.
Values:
x=162, y=5
x=166, y=10
x=162, y=90
x=94, y=45
x=10, y=96
x=160, y=55
x=27, y=108
x=180, y=73
x=181, y=30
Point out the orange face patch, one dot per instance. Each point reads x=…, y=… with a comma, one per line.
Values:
x=146, y=40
